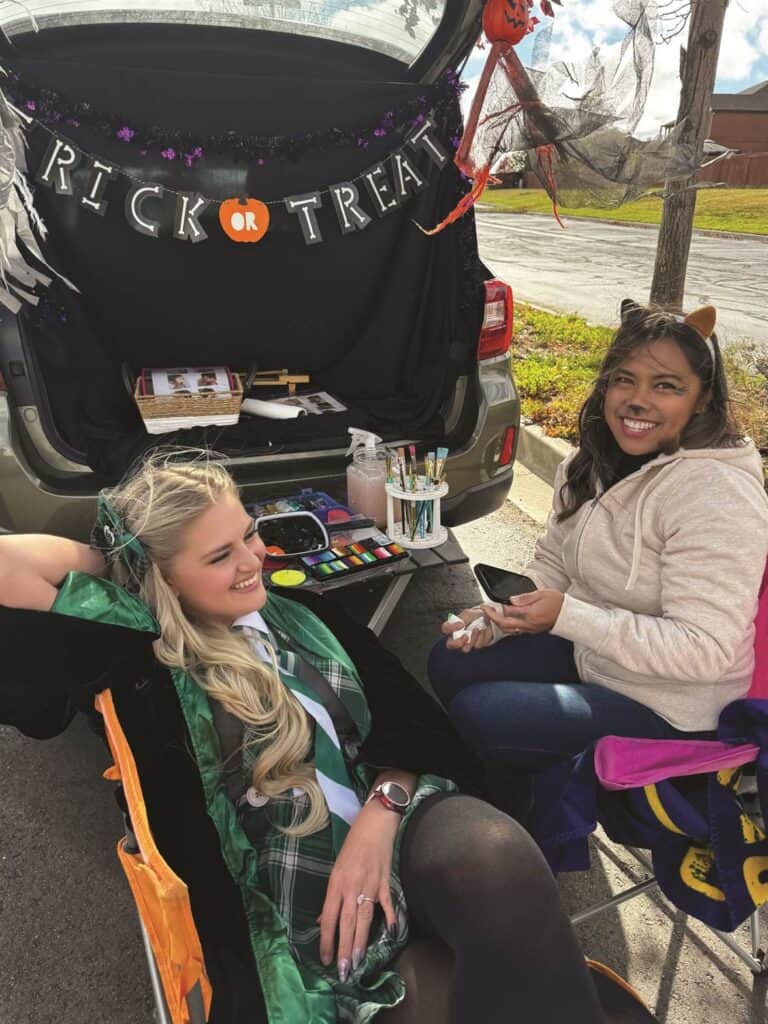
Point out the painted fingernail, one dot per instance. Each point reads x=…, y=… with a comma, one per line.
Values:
x=357, y=958
x=325, y=959
x=343, y=970
x=393, y=930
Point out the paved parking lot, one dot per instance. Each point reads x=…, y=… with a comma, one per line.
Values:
x=69, y=943
x=589, y=267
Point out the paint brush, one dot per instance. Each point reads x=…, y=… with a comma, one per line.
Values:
x=403, y=507
x=442, y=457
x=418, y=521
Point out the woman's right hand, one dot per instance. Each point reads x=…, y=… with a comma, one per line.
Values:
x=478, y=638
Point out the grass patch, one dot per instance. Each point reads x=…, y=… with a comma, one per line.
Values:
x=556, y=360
x=732, y=209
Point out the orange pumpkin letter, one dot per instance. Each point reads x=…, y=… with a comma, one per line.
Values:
x=244, y=220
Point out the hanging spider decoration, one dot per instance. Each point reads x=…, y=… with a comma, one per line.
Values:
x=505, y=24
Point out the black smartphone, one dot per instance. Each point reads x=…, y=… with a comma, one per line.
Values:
x=500, y=584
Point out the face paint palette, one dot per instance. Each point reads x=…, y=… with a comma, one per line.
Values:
x=354, y=557
x=318, y=503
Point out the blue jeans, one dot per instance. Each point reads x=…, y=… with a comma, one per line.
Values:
x=520, y=702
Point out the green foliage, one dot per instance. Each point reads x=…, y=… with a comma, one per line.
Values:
x=747, y=372
x=542, y=378
x=567, y=333
x=556, y=361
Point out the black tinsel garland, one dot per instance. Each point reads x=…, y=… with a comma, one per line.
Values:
x=57, y=111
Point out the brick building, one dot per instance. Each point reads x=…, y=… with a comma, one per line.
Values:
x=740, y=121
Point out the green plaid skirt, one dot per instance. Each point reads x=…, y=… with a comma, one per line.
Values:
x=283, y=879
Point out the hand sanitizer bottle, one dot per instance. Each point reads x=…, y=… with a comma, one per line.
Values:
x=366, y=476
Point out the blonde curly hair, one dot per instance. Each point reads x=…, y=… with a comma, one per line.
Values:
x=156, y=502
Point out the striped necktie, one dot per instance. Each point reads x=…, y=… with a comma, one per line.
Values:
x=330, y=767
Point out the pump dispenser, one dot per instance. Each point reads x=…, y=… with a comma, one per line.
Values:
x=366, y=476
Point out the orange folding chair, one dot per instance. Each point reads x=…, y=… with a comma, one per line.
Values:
x=179, y=982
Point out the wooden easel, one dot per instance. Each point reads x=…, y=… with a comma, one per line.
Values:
x=278, y=378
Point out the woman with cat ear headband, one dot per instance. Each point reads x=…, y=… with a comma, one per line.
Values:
x=645, y=582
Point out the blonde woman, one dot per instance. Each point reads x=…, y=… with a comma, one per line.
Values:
x=313, y=869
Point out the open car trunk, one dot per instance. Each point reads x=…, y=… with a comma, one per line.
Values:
x=385, y=318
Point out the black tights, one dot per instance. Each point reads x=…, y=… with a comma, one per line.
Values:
x=475, y=879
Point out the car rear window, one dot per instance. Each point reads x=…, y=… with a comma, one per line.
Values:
x=397, y=28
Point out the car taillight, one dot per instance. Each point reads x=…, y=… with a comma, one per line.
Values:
x=496, y=332
x=507, y=447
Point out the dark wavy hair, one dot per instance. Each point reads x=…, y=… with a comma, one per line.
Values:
x=599, y=455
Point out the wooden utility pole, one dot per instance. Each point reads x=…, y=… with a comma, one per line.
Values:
x=698, y=71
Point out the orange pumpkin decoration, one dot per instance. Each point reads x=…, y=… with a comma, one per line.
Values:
x=244, y=220
x=507, y=21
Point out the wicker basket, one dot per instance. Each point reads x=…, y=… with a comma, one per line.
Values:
x=154, y=407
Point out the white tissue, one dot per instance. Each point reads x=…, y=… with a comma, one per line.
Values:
x=459, y=634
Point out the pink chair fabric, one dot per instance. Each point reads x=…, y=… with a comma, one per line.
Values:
x=626, y=763
x=759, y=688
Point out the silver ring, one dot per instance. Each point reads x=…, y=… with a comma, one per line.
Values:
x=362, y=898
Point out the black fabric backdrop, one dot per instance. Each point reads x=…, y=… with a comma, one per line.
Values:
x=385, y=318
x=55, y=664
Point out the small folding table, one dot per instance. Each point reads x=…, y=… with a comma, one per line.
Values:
x=397, y=574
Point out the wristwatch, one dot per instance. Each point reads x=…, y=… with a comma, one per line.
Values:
x=394, y=796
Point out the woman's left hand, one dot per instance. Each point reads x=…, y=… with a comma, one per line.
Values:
x=363, y=866
x=536, y=612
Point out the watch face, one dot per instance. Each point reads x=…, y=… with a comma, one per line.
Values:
x=398, y=794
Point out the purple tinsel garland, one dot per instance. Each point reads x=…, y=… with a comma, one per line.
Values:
x=56, y=111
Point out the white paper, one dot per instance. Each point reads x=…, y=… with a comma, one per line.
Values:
x=317, y=402
x=272, y=410
x=167, y=424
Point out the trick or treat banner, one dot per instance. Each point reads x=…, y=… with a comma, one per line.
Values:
x=385, y=186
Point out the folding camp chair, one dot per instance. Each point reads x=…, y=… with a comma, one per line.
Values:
x=180, y=986
x=623, y=763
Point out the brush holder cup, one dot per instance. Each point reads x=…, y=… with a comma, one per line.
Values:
x=413, y=517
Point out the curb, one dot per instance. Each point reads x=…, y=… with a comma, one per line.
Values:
x=541, y=455
x=744, y=236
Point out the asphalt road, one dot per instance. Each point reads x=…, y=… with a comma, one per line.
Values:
x=589, y=267
x=70, y=950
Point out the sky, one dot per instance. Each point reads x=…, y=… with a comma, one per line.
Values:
x=581, y=24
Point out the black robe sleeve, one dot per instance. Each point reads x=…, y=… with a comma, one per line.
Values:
x=53, y=665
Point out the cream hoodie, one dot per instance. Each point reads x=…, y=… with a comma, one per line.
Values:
x=661, y=574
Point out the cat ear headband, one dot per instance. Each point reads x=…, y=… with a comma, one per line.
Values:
x=702, y=321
